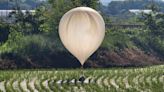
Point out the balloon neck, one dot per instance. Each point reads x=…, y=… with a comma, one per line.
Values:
x=82, y=72
x=82, y=67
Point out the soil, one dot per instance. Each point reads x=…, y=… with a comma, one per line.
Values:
x=102, y=58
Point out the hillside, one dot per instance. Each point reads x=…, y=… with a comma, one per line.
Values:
x=118, y=11
x=120, y=7
x=32, y=40
x=23, y=4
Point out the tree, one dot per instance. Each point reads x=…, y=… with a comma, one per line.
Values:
x=154, y=20
x=29, y=22
x=59, y=7
x=4, y=32
x=90, y=3
x=154, y=23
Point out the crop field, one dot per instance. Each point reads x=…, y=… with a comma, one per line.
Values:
x=148, y=79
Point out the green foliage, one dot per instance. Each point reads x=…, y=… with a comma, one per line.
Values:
x=157, y=44
x=4, y=32
x=90, y=3
x=31, y=44
x=55, y=12
x=37, y=44
x=59, y=7
x=154, y=37
x=12, y=41
x=150, y=41
x=36, y=34
x=28, y=22
x=118, y=11
x=118, y=7
x=118, y=39
x=154, y=20
x=27, y=33
x=141, y=40
x=23, y=4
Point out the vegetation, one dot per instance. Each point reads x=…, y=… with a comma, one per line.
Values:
x=119, y=11
x=97, y=80
x=24, y=4
x=31, y=40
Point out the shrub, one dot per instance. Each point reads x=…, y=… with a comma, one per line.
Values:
x=117, y=39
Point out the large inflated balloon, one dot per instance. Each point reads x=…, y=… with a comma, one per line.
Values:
x=82, y=31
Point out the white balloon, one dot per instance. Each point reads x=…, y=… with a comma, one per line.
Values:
x=82, y=31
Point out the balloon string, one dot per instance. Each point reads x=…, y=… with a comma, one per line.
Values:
x=82, y=72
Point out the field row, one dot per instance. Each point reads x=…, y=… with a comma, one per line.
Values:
x=149, y=79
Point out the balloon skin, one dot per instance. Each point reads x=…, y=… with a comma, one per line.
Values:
x=82, y=31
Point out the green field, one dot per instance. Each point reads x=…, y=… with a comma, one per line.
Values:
x=148, y=79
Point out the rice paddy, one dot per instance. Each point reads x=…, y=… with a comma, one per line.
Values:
x=148, y=79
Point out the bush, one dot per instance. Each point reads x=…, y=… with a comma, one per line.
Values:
x=157, y=44
x=117, y=39
x=4, y=32
x=33, y=44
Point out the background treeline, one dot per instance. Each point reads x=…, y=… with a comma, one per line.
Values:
x=31, y=40
x=23, y=4
x=118, y=11
x=118, y=7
